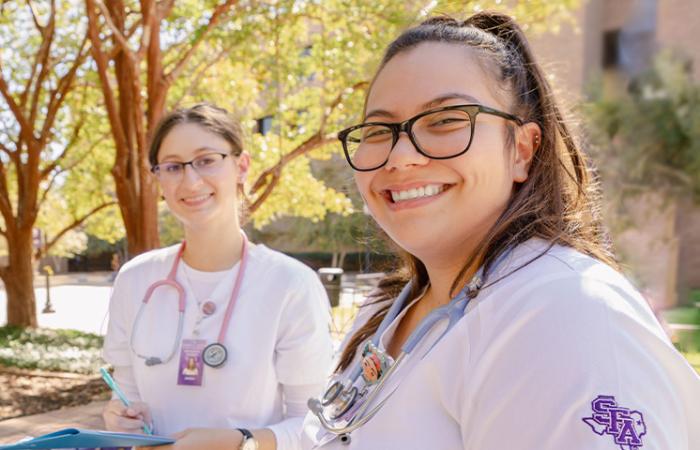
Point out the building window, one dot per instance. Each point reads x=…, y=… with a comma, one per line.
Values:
x=611, y=49
x=264, y=125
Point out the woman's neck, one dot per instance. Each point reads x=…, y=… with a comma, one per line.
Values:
x=442, y=275
x=214, y=249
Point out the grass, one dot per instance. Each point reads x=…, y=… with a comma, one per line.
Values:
x=51, y=350
x=687, y=341
x=684, y=314
x=694, y=359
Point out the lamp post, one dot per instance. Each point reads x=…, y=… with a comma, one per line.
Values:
x=48, y=308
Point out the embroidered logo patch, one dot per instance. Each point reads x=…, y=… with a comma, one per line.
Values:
x=625, y=426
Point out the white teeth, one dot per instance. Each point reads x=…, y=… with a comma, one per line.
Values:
x=410, y=194
x=197, y=199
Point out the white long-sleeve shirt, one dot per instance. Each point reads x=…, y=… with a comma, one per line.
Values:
x=278, y=342
x=562, y=354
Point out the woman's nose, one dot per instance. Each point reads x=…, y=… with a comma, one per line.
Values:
x=404, y=154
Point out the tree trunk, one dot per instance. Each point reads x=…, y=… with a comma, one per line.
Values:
x=140, y=215
x=19, y=281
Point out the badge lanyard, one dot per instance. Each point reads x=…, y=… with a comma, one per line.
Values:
x=213, y=355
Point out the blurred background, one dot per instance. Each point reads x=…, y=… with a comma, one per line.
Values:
x=84, y=82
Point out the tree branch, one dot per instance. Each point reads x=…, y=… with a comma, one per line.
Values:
x=201, y=34
x=69, y=145
x=71, y=166
x=164, y=8
x=103, y=71
x=34, y=17
x=24, y=126
x=118, y=36
x=270, y=177
x=76, y=223
x=201, y=72
x=47, y=36
x=5, y=204
x=58, y=96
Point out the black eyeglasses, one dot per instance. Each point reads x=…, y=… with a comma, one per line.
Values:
x=205, y=165
x=440, y=133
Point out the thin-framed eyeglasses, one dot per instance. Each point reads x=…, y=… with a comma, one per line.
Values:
x=205, y=165
x=440, y=133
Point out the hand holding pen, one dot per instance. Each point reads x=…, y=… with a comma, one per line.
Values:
x=123, y=415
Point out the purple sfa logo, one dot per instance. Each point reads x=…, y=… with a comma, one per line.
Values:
x=625, y=426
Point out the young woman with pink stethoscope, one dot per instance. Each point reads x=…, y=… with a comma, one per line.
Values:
x=215, y=339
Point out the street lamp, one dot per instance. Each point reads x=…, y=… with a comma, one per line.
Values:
x=48, y=308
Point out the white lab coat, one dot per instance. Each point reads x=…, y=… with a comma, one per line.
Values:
x=278, y=336
x=529, y=362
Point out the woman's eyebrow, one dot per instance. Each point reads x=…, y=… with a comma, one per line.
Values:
x=197, y=151
x=449, y=96
x=430, y=104
x=380, y=113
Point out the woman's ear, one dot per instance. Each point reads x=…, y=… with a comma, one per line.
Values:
x=528, y=138
x=243, y=163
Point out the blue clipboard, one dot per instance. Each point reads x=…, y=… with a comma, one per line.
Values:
x=77, y=438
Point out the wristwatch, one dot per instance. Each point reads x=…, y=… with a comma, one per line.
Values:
x=248, y=442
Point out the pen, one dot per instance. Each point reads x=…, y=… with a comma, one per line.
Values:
x=117, y=390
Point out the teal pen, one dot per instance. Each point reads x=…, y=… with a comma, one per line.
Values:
x=115, y=387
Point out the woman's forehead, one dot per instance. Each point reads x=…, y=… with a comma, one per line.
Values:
x=189, y=140
x=430, y=74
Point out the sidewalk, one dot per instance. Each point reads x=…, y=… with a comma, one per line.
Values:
x=86, y=416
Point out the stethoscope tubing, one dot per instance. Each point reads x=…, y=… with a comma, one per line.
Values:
x=171, y=281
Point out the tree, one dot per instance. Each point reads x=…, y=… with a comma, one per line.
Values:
x=135, y=101
x=304, y=65
x=303, y=77
x=39, y=71
x=648, y=148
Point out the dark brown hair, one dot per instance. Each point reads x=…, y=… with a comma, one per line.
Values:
x=210, y=117
x=559, y=200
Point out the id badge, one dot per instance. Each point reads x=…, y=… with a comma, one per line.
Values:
x=191, y=368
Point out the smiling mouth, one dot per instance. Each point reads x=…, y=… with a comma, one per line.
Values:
x=196, y=200
x=429, y=190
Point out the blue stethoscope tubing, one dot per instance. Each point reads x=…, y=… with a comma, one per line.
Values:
x=453, y=311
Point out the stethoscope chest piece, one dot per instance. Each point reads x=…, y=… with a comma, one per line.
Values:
x=343, y=402
x=214, y=355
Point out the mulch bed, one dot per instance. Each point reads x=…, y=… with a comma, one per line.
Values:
x=27, y=392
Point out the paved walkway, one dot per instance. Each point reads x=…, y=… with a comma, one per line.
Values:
x=86, y=416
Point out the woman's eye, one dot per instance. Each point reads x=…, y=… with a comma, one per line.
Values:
x=375, y=134
x=171, y=168
x=204, y=161
x=444, y=121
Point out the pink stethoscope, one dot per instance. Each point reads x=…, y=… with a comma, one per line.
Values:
x=213, y=355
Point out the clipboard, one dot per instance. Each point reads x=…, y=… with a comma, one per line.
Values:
x=78, y=438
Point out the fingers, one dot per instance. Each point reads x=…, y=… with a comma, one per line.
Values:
x=179, y=434
x=119, y=418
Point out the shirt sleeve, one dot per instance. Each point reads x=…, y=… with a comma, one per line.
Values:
x=288, y=432
x=125, y=379
x=577, y=364
x=304, y=350
x=116, y=349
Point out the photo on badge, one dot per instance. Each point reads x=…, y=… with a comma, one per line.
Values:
x=191, y=367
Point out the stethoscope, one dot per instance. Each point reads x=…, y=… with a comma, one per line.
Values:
x=341, y=397
x=214, y=354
